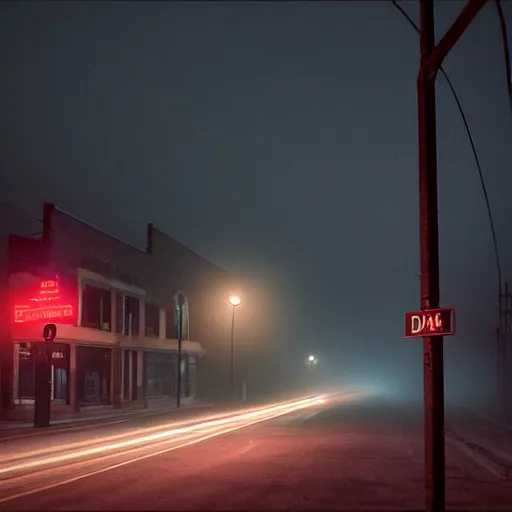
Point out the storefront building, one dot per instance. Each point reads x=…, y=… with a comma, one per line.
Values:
x=116, y=311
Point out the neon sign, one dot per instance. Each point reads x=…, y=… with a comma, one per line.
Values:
x=433, y=322
x=46, y=305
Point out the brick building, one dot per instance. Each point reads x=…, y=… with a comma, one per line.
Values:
x=115, y=310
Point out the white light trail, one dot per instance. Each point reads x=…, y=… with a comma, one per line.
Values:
x=107, y=445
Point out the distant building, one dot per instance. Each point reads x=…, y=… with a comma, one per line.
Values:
x=115, y=310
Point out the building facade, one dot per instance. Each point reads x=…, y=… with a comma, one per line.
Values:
x=116, y=308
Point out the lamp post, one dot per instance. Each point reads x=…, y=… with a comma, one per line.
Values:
x=311, y=360
x=234, y=301
x=179, y=311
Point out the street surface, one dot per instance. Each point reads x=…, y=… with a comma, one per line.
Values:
x=353, y=451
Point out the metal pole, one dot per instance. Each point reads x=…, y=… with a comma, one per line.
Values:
x=42, y=379
x=505, y=341
x=433, y=378
x=499, y=356
x=179, y=335
x=233, y=356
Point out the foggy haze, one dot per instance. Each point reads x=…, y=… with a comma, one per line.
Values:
x=278, y=140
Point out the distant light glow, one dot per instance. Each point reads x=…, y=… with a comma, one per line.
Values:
x=234, y=300
x=311, y=358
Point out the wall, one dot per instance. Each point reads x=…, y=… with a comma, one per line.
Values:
x=205, y=286
x=16, y=222
x=74, y=243
x=166, y=268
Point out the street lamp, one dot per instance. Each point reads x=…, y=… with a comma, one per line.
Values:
x=312, y=360
x=179, y=311
x=234, y=301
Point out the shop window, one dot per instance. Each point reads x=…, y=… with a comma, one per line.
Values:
x=169, y=323
x=185, y=321
x=93, y=374
x=152, y=320
x=127, y=314
x=25, y=373
x=160, y=374
x=192, y=377
x=96, y=307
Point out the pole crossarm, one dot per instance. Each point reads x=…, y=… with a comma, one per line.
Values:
x=450, y=39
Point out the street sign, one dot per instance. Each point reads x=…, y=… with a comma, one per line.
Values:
x=430, y=322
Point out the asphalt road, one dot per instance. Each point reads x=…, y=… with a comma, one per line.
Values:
x=352, y=452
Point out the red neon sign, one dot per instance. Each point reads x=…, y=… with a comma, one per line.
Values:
x=46, y=305
x=433, y=322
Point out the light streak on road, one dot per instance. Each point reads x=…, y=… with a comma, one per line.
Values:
x=273, y=412
x=145, y=431
x=141, y=438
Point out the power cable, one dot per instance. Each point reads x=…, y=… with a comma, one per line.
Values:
x=473, y=148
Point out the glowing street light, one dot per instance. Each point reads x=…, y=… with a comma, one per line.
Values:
x=234, y=301
x=312, y=360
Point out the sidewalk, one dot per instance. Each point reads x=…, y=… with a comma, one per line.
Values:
x=22, y=416
x=63, y=418
x=482, y=436
x=20, y=420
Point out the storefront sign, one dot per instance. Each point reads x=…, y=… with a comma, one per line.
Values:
x=60, y=356
x=46, y=303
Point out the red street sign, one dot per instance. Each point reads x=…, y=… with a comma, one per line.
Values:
x=430, y=322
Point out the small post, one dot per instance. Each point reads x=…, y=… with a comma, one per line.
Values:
x=42, y=380
x=232, y=374
x=179, y=335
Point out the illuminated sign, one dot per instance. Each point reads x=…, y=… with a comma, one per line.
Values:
x=430, y=322
x=46, y=304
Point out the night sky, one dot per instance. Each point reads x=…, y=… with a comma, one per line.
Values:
x=276, y=139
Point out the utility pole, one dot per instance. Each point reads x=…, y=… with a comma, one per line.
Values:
x=433, y=378
x=503, y=340
x=432, y=56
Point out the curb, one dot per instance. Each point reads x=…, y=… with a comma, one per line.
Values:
x=77, y=423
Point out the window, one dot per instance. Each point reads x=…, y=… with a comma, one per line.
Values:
x=96, y=307
x=170, y=331
x=152, y=320
x=127, y=314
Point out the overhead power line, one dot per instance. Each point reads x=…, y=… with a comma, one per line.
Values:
x=473, y=148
